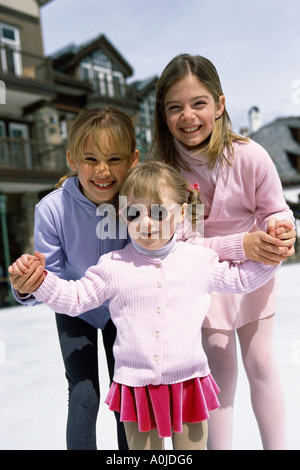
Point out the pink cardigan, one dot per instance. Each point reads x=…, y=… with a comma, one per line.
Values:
x=238, y=198
x=241, y=197
x=157, y=305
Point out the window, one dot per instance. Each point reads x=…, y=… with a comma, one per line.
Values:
x=295, y=161
x=119, y=85
x=106, y=79
x=19, y=147
x=144, y=113
x=295, y=131
x=9, y=47
x=147, y=110
x=63, y=129
x=3, y=144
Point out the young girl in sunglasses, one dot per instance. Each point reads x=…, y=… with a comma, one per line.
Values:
x=158, y=290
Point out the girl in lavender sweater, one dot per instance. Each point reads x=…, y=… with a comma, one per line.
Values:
x=159, y=293
x=69, y=228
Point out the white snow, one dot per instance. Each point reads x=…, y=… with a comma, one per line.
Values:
x=33, y=389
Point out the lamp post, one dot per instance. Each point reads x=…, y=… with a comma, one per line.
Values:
x=3, y=200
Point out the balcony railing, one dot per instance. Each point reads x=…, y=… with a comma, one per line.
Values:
x=32, y=155
x=24, y=64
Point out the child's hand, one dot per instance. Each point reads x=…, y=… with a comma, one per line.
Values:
x=26, y=274
x=283, y=230
x=272, y=247
x=22, y=265
x=259, y=246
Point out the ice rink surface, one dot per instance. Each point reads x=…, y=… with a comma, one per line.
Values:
x=33, y=389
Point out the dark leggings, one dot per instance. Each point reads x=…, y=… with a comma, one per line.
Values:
x=79, y=346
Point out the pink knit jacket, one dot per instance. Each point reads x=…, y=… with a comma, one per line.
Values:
x=157, y=305
x=240, y=197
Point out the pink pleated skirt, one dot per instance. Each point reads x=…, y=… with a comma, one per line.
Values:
x=165, y=406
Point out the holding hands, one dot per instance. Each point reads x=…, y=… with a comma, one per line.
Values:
x=272, y=247
x=26, y=274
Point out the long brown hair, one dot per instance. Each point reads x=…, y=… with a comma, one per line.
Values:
x=222, y=135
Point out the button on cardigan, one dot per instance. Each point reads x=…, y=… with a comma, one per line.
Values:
x=157, y=305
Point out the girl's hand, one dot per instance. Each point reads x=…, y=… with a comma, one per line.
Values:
x=259, y=246
x=272, y=247
x=22, y=265
x=26, y=274
x=283, y=230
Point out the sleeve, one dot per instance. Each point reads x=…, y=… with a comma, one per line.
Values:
x=47, y=238
x=229, y=247
x=270, y=201
x=239, y=278
x=27, y=301
x=46, y=241
x=262, y=185
x=75, y=297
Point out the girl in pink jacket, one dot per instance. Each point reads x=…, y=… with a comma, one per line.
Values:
x=244, y=204
x=159, y=293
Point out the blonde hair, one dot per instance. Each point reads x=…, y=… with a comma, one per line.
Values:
x=147, y=179
x=117, y=126
x=222, y=135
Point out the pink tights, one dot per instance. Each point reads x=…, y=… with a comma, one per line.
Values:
x=256, y=343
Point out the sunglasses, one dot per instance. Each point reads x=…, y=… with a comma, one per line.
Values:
x=158, y=212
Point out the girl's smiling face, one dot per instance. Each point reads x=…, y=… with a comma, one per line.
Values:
x=146, y=230
x=190, y=111
x=101, y=175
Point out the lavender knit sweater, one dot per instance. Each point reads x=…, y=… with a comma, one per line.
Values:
x=157, y=305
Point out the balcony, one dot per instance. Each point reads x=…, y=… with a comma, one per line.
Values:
x=24, y=64
x=33, y=165
x=28, y=78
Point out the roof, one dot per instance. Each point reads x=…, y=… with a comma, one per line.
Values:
x=43, y=2
x=147, y=83
x=144, y=87
x=278, y=139
x=71, y=54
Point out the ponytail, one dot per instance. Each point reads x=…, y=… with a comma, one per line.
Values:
x=63, y=179
x=194, y=201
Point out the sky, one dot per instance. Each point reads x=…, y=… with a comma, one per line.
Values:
x=255, y=45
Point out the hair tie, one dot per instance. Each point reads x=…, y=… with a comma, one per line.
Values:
x=196, y=187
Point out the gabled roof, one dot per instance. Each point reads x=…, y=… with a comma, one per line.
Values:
x=277, y=138
x=71, y=55
x=146, y=85
x=43, y=2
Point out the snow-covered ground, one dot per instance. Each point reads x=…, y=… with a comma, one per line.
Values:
x=33, y=389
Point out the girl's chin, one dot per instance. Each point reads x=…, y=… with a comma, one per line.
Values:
x=103, y=195
x=195, y=143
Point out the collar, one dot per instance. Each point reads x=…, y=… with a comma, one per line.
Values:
x=160, y=252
